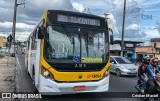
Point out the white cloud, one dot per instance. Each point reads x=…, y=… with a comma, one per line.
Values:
x=21, y=36
x=18, y=25
x=51, y=4
x=112, y=23
x=24, y=26
x=78, y=6
x=133, y=27
x=6, y=24
x=117, y=4
x=152, y=33
x=2, y=34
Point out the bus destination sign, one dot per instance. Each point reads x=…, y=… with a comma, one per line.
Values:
x=78, y=20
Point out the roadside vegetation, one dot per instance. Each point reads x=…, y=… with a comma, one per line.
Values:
x=2, y=52
x=1, y=55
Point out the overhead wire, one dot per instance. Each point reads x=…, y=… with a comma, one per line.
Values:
x=111, y=10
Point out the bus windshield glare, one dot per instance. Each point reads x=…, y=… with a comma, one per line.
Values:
x=75, y=45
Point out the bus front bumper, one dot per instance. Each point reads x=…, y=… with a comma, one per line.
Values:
x=49, y=87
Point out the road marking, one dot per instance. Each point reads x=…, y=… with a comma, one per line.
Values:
x=20, y=83
x=17, y=85
x=18, y=74
x=18, y=62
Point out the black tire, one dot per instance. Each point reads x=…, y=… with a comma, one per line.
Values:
x=33, y=80
x=27, y=68
x=36, y=90
x=118, y=72
x=33, y=75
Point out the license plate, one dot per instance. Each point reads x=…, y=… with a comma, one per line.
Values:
x=79, y=88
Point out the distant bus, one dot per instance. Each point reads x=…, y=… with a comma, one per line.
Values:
x=68, y=52
x=23, y=50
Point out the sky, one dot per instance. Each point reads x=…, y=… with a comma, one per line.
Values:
x=142, y=16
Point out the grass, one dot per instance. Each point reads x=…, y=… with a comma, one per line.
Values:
x=1, y=56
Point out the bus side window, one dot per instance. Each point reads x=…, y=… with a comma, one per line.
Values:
x=34, y=43
x=39, y=31
x=36, y=33
x=28, y=44
x=32, y=38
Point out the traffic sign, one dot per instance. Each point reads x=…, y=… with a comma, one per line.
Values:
x=9, y=38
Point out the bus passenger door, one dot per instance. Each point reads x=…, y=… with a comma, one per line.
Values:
x=29, y=56
x=37, y=65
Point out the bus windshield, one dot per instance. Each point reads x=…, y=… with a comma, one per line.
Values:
x=75, y=45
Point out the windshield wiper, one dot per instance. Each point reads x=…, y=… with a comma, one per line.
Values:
x=70, y=37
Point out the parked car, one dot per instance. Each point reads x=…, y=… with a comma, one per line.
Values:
x=122, y=66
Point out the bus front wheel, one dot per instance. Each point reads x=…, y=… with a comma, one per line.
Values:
x=33, y=75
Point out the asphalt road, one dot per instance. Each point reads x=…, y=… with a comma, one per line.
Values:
x=117, y=84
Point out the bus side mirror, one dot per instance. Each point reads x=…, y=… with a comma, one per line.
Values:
x=112, y=63
x=40, y=33
x=111, y=36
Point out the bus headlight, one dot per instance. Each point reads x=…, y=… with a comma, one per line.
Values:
x=105, y=74
x=47, y=74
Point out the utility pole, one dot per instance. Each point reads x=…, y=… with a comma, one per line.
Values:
x=156, y=47
x=14, y=21
x=123, y=28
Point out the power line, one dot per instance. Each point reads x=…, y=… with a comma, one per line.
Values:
x=130, y=6
x=110, y=10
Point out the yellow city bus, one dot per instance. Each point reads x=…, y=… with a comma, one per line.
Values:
x=68, y=52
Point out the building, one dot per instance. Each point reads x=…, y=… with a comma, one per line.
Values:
x=115, y=50
x=1, y=41
x=155, y=42
x=129, y=48
x=141, y=51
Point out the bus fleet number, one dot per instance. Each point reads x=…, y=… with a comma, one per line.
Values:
x=96, y=76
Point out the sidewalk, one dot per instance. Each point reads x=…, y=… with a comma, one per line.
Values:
x=7, y=75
